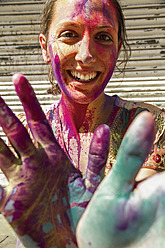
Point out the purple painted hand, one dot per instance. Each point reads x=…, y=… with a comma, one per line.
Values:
x=121, y=213
x=46, y=195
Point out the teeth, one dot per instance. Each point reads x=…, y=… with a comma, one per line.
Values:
x=84, y=78
x=87, y=77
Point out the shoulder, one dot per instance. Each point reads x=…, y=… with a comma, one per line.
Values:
x=129, y=105
x=137, y=107
x=156, y=159
x=129, y=110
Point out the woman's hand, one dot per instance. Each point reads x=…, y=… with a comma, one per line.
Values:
x=121, y=213
x=46, y=195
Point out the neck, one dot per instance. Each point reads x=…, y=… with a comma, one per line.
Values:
x=75, y=112
x=86, y=116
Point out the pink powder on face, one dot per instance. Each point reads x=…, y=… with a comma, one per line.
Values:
x=56, y=69
x=84, y=21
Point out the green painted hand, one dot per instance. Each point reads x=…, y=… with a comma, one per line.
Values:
x=121, y=213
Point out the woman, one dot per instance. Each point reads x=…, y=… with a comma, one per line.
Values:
x=47, y=195
x=83, y=58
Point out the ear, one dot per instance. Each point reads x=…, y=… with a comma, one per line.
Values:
x=45, y=52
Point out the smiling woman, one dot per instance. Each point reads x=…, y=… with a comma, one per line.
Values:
x=83, y=50
x=53, y=180
x=82, y=47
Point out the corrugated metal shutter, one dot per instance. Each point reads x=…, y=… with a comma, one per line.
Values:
x=144, y=79
x=20, y=50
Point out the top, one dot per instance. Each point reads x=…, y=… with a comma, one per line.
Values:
x=122, y=115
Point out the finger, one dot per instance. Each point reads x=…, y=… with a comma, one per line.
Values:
x=36, y=119
x=118, y=183
x=98, y=153
x=7, y=158
x=133, y=151
x=15, y=131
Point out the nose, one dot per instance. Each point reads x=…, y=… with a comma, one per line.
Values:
x=85, y=53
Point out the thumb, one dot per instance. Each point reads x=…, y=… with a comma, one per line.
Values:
x=97, y=158
x=135, y=147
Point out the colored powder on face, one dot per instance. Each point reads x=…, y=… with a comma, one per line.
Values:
x=108, y=14
x=87, y=9
x=55, y=63
x=79, y=8
x=56, y=68
x=105, y=10
x=106, y=80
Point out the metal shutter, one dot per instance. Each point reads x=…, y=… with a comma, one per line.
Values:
x=20, y=50
x=144, y=79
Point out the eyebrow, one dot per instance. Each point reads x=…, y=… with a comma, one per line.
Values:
x=71, y=24
x=106, y=26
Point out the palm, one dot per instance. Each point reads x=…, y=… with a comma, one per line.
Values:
x=122, y=214
x=46, y=195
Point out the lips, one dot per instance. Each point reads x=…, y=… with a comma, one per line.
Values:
x=83, y=77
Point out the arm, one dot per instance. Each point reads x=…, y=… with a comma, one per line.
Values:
x=46, y=195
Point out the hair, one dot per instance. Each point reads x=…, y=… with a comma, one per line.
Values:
x=122, y=36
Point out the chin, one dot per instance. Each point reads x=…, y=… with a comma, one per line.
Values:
x=83, y=98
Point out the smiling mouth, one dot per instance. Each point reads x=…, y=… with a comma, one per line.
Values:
x=84, y=78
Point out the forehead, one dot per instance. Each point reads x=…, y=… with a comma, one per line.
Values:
x=88, y=11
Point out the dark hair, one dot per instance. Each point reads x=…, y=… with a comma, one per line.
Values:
x=122, y=36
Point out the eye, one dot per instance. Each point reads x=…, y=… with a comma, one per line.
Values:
x=103, y=37
x=69, y=34
x=69, y=37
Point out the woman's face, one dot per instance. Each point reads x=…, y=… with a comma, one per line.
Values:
x=83, y=45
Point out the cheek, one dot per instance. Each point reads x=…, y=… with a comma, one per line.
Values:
x=64, y=51
x=56, y=65
x=108, y=55
x=109, y=60
x=55, y=61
